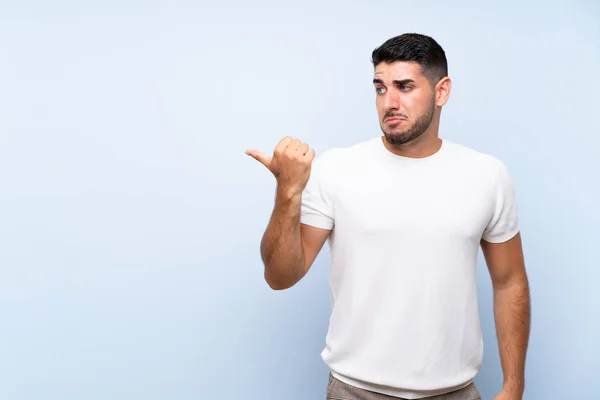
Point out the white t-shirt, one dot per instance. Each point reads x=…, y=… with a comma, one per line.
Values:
x=404, y=245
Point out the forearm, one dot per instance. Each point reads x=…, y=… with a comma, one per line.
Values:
x=513, y=318
x=281, y=246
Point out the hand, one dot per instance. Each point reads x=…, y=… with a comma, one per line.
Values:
x=290, y=164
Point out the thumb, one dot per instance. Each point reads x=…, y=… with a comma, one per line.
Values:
x=260, y=157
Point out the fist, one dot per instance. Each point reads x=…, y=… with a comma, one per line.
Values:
x=290, y=164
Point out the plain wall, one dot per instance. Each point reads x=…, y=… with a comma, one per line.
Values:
x=130, y=217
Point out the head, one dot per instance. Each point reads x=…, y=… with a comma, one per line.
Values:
x=411, y=83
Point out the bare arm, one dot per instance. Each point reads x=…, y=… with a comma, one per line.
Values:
x=289, y=248
x=511, y=311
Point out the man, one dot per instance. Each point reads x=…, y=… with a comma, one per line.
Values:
x=405, y=214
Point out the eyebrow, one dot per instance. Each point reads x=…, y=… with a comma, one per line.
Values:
x=397, y=82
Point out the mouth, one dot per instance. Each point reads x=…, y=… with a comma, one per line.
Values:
x=394, y=120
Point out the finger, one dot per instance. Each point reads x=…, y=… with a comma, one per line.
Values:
x=302, y=149
x=260, y=157
x=310, y=154
x=292, y=146
x=283, y=143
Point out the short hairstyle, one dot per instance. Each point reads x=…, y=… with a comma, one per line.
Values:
x=415, y=47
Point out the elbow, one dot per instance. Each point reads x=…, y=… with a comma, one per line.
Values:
x=278, y=282
x=278, y=286
x=511, y=281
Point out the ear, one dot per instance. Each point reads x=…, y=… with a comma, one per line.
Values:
x=442, y=91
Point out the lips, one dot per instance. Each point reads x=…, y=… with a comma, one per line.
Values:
x=394, y=120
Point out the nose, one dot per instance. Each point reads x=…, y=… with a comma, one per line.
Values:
x=391, y=101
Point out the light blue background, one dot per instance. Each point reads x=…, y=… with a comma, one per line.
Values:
x=130, y=218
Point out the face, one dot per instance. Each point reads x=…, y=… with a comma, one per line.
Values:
x=406, y=101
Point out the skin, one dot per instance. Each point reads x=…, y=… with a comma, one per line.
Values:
x=403, y=92
x=512, y=311
x=289, y=248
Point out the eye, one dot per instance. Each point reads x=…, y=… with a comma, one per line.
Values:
x=405, y=88
x=380, y=90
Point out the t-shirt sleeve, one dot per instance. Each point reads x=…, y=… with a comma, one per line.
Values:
x=504, y=224
x=317, y=207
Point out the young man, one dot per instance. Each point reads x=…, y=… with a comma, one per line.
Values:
x=405, y=214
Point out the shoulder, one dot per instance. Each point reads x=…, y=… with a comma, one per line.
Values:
x=475, y=160
x=337, y=157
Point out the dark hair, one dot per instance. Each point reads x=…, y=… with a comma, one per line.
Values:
x=414, y=47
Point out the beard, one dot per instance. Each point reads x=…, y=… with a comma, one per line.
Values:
x=412, y=132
